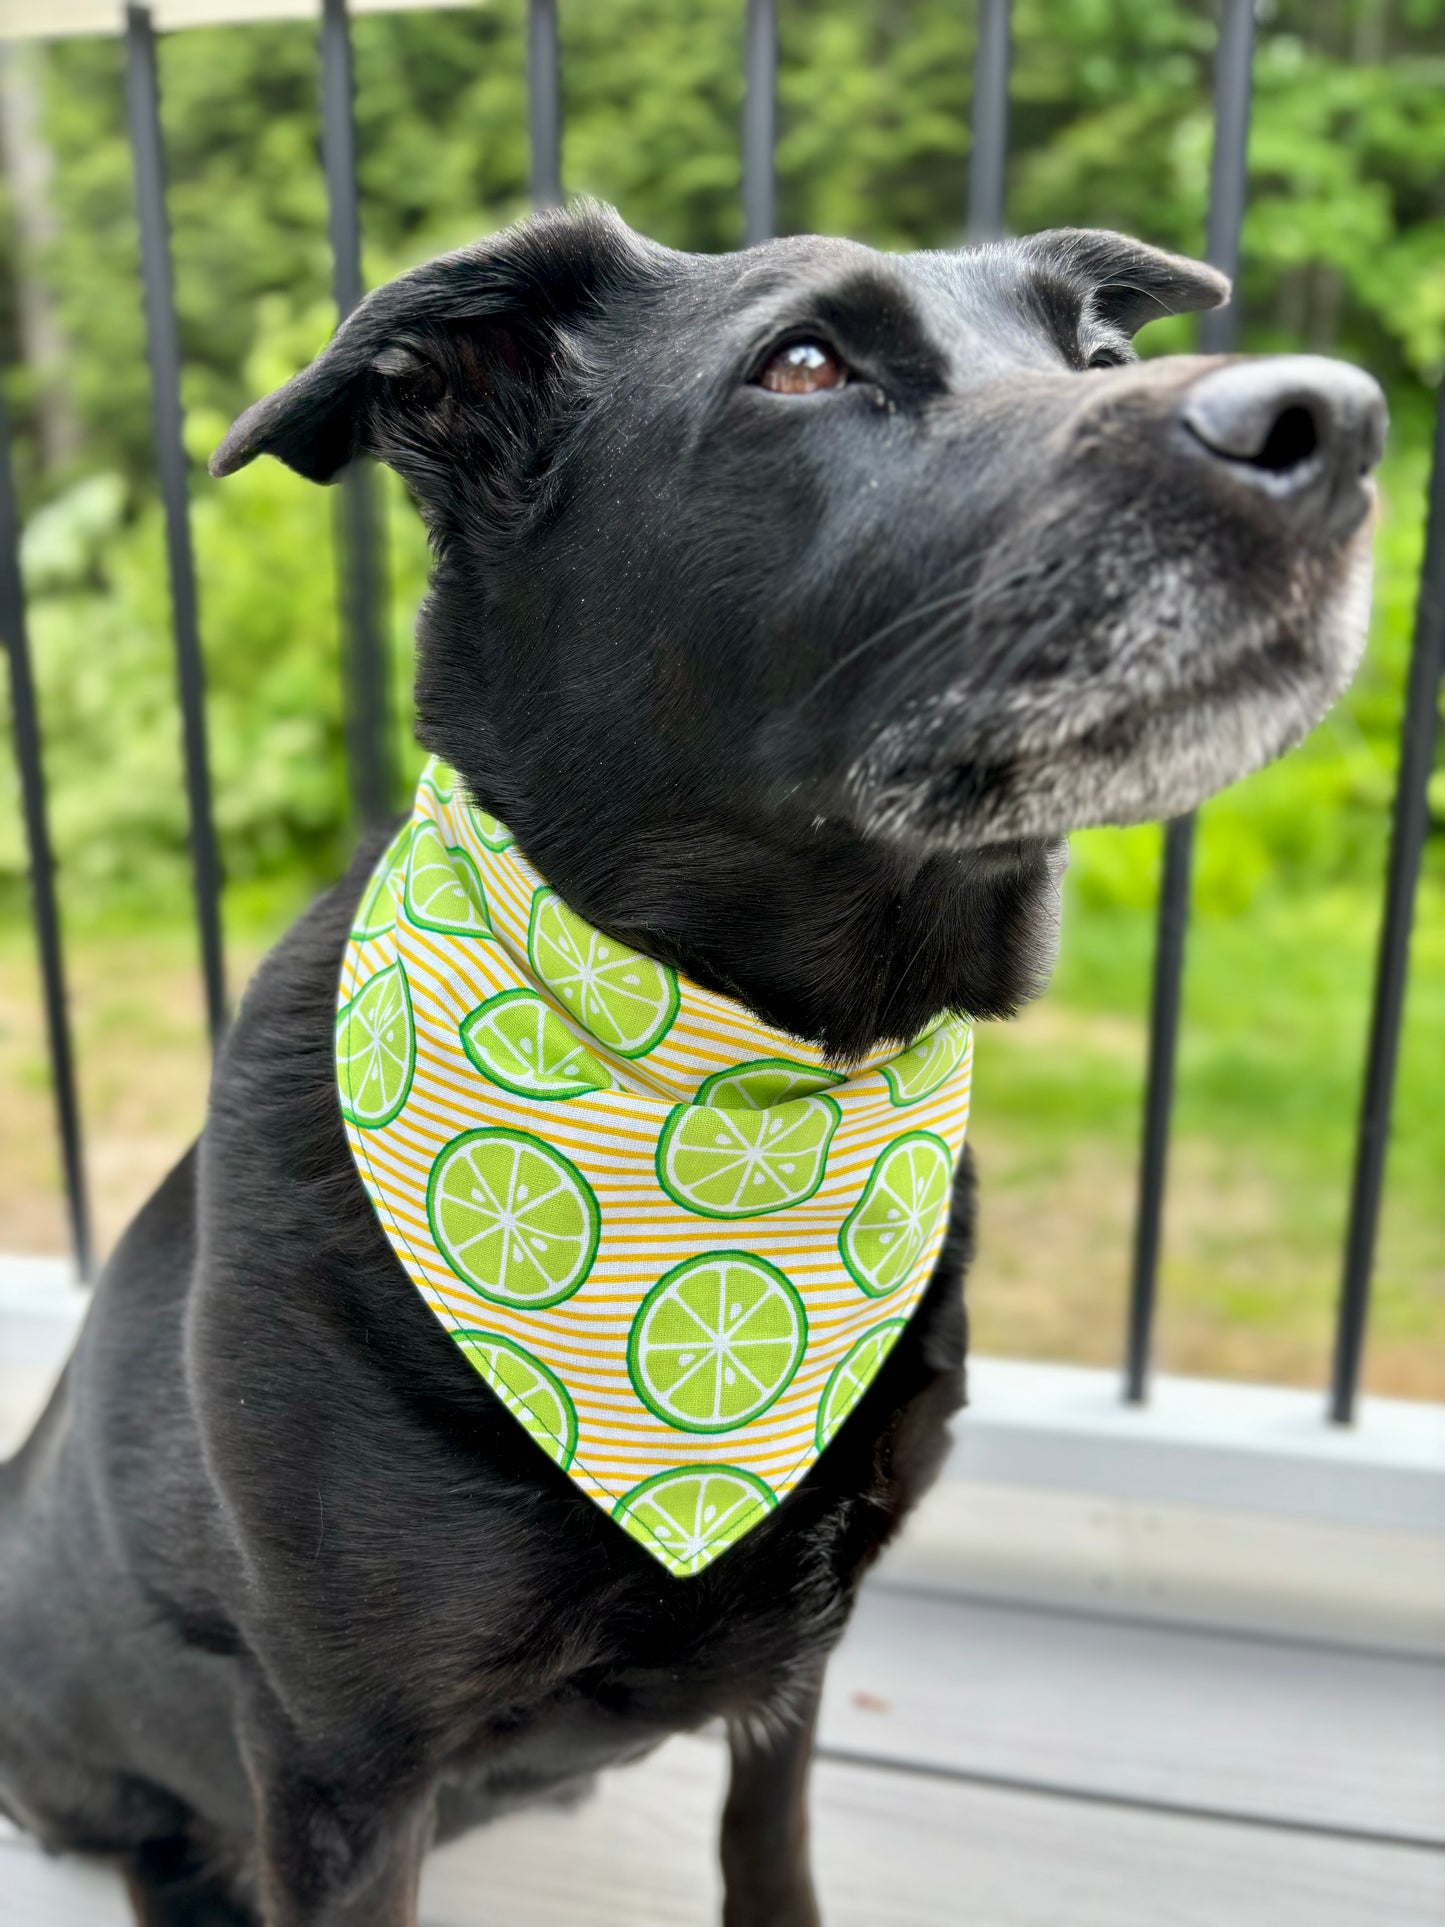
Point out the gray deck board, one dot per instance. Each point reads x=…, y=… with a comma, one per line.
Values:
x=915, y=1852
x=1326, y=1736
x=1123, y=1722
x=903, y=1850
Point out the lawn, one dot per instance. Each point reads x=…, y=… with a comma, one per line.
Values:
x=1276, y=1013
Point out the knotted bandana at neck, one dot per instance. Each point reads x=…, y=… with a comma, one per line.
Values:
x=675, y=1244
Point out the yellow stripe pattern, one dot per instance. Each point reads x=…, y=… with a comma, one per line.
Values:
x=674, y=1240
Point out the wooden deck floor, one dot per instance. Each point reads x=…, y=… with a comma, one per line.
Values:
x=1000, y=1767
x=982, y=1765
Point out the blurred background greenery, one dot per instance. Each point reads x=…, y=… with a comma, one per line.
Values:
x=1344, y=253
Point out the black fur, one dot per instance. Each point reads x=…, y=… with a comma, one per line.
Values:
x=771, y=687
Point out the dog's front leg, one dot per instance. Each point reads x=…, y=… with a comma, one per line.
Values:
x=331, y=1856
x=766, y=1877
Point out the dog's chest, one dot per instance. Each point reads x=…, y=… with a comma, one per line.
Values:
x=551, y=1746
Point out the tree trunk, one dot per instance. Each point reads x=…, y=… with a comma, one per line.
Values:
x=28, y=165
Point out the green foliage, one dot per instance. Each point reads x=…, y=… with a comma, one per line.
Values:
x=99, y=615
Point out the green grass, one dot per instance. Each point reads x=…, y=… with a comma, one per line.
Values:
x=1276, y=1013
x=1277, y=996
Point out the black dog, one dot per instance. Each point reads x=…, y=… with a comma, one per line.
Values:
x=789, y=606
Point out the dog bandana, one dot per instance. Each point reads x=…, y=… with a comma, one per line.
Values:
x=674, y=1242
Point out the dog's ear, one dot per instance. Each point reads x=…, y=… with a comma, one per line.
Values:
x=447, y=362
x=1124, y=282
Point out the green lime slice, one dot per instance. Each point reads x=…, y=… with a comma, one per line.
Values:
x=716, y=1341
x=690, y=1517
x=928, y=1063
x=764, y=1082
x=744, y=1164
x=440, y=780
x=376, y=913
x=520, y=1042
x=376, y=1049
x=902, y=1202
x=443, y=890
x=442, y=783
x=490, y=829
x=626, y=1000
x=852, y=1375
x=513, y=1218
x=535, y=1397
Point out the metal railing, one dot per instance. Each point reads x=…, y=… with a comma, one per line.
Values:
x=1218, y=334
x=362, y=592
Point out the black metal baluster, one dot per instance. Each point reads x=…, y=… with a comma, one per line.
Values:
x=544, y=102
x=1407, y=844
x=1229, y=166
x=362, y=586
x=25, y=726
x=163, y=346
x=760, y=120
x=988, y=155
x=1219, y=330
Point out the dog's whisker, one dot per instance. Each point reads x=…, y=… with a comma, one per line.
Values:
x=916, y=613
x=912, y=656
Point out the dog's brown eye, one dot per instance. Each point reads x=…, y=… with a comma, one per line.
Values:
x=802, y=368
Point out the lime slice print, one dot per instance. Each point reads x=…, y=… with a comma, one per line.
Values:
x=902, y=1202
x=440, y=780
x=691, y=1517
x=513, y=1218
x=534, y=1397
x=764, y=1082
x=376, y=913
x=522, y=1044
x=852, y=1375
x=443, y=890
x=626, y=1000
x=716, y=1341
x=928, y=1063
x=376, y=1049
x=744, y=1164
x=490, y=829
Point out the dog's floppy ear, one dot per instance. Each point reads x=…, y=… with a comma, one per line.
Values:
x=1126, y=282
x=427, y=358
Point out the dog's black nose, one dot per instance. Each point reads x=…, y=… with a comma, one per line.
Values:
x=1304, y=431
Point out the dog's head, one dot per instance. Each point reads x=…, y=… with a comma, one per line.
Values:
x=815, y=547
